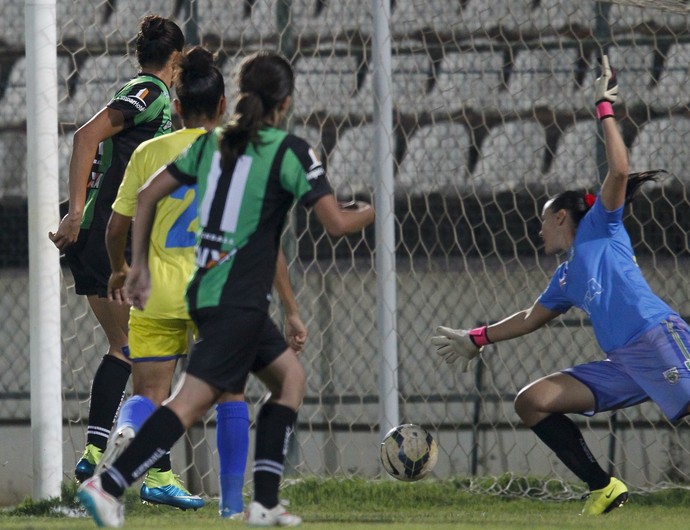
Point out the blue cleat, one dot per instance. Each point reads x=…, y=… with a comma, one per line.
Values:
x=87, y=463
x=164, y=487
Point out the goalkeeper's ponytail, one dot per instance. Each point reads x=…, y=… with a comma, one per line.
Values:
x=578, y=203
x=264, y=79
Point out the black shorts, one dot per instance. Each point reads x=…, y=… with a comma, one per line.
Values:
x=233, y=341
x=88, y=260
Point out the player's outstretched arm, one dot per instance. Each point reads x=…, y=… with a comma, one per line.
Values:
x=138, y=284
x=341, y=219
x=464, y=345
x=521, y=323
x=605, y=94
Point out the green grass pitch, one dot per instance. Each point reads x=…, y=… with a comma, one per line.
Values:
x=359, y=504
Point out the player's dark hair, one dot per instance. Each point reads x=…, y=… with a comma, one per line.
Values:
x=578, y=203
x=157, y=39
x=264, y=80
x=199, y=84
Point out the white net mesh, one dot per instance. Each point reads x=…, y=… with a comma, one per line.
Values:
x=492, y=113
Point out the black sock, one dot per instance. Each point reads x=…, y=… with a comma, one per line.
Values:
x=565, y=438
x=163, y=463
x=107, y=391
x=273, y=428
x=154, y=439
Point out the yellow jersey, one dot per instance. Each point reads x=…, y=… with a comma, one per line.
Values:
x=171, y=254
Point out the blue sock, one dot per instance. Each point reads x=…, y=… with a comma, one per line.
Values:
x=134, y=412
x=232, y=437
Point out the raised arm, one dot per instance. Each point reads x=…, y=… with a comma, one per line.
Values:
x=138, y=284
x=606, y=92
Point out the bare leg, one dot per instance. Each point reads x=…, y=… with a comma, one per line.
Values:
x=153, y=379
x=543, y=406
x=285, y=379
x=113, y=318
x=555, y=393
x=192, y=399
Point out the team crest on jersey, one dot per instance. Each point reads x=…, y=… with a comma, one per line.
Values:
x=672, y=376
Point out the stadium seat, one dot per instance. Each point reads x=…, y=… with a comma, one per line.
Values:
x=351, y=164
x=13, y=102
x=123, y=24
x=435, y=160
x=230, y=21
x=12, y=24
x=469, y=79
x=508, y=15
x=634, y=66
x=100, y=77
x=663, y=144
x=674, y=23
x=672, y=91
x=13, y=163
x=574, y=165
x=627, y=18
x=330, y=84
x=510, y=157
x=410, y=16
x=564, y=15
x=82, y=21
x=411, y=77
x=333, y=22
x=545, y=77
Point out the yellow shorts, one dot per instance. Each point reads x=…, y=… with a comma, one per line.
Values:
x=159, y=339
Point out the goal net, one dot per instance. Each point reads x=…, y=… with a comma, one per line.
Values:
x=492, y=114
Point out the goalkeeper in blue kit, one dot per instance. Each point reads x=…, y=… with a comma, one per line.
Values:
x=646, y=342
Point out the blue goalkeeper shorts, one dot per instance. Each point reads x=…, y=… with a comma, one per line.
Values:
x=655, y=366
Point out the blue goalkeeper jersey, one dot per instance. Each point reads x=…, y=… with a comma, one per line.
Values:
x=601, y=277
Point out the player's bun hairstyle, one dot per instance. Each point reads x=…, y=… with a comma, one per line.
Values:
x=157, y=39
x=199, y=84
x=264, y=80
x=579, y=203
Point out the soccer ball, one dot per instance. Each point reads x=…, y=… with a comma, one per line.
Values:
x=408, y=452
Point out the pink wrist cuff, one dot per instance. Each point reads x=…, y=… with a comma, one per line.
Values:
x=604, y=110
x=479, y=337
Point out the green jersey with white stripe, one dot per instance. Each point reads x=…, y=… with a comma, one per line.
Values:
x=242, y=212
